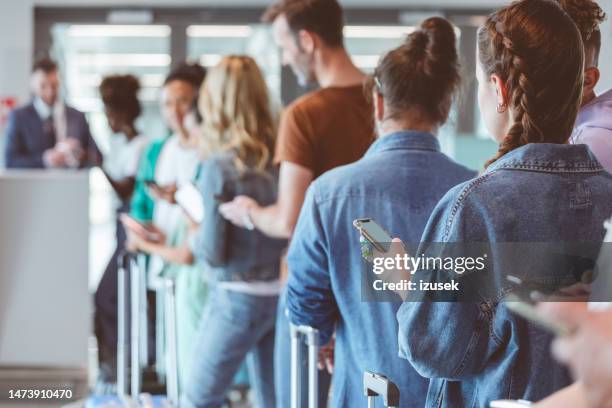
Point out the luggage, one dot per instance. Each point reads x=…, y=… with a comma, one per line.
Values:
x=377, y=385
x=310, y=336
x=132, y=336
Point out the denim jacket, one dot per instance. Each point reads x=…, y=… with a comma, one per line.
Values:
x=477, y=351
x=397, y=183
x=233, y=253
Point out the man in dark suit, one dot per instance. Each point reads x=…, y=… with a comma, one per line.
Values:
x=47, y=133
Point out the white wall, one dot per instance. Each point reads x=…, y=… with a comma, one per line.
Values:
x=605, y=59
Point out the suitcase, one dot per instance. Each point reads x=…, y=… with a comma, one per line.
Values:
x=132, y=335
x=310, y=336
x=377, y=385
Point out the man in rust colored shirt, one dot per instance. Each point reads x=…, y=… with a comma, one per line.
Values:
x=319, y=131
x=324, y=129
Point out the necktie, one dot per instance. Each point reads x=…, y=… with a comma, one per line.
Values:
x=49, y=130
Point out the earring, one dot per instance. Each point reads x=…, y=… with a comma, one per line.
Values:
x=501, y=107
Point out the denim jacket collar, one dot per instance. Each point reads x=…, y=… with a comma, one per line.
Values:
x=549, y=157
x=405, y=140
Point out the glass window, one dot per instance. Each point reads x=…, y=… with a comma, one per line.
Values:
x=367, y=43
x=208, y=43
x=85, y=54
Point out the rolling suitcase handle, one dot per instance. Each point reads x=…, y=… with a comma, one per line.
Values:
x=375, y=385
x=172, y=386
x=143, y=341
x=138, y=314
x=122, y=323
x=311, y=337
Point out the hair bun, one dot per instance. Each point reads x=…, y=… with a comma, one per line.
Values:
x=423, y=72
x=437, y=38
x=439, y=30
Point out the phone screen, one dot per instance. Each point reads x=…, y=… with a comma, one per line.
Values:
x=374, y=233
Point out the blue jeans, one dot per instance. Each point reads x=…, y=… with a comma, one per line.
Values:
x=234, y=325
x=282, y=364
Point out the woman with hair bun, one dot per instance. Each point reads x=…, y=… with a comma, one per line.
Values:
x=538, y=192
x=119, y=94
x=397, y=184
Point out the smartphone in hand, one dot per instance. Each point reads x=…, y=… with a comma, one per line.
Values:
x=374, y=233
x=139, y=228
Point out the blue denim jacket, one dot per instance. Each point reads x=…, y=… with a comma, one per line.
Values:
x=397, y=183
x=233, y=253
x=476, y=352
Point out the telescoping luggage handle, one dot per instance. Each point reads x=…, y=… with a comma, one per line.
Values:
x=310, y=336
x=122, y=323
x=131, y=315
x=172, y=385
x=377, y=385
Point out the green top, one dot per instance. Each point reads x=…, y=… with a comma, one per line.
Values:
x=142, y=203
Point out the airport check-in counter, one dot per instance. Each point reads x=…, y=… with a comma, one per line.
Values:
x=45, y=305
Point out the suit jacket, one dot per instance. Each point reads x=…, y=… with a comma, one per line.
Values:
x=26, y=141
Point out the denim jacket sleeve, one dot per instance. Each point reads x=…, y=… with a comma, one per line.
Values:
x=451, y=340
x=310, y=300
x=210, y=244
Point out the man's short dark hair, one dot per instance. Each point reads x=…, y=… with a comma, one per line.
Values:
x=46, y=65
x=322, y=17
x=587, y=16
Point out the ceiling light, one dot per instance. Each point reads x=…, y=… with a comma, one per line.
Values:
x=119, y=30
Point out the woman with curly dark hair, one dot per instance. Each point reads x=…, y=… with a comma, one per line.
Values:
x=593, y=125
x=119, y=94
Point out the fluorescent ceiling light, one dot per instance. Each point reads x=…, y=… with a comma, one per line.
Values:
x=123, y=60
x=223, y=31
x=352, y=31
x=119, y=30
x=94, y=80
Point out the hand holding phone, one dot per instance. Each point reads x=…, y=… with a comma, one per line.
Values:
x=381, y=242
x=166, y=193
x=148, y=232
x=374, y=234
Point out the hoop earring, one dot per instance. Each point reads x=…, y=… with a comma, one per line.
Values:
x=501, y=107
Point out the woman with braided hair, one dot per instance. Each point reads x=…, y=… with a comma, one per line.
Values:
x=537, y=190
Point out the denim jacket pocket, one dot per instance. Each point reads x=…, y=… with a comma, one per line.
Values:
x=579, y=195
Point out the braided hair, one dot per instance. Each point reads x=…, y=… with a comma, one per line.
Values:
x=537, y=51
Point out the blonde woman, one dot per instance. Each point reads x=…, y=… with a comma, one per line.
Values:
x=238, y=320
